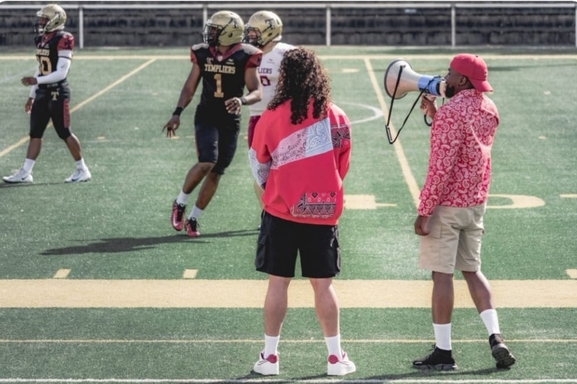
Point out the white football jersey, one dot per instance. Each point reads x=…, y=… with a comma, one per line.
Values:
x=268, y=72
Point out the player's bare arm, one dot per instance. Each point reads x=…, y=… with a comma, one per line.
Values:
x=186, y=95
x=253, y=86
x=254, y=95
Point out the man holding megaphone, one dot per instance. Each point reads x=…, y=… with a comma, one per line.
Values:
x=452, y=204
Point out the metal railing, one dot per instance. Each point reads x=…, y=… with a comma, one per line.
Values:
x=328, y=6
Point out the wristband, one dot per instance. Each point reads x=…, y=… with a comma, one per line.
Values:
x=243, y=101
x=177, y=111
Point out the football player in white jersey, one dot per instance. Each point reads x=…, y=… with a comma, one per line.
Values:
x=264, y=31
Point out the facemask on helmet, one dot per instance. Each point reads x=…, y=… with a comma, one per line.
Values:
x=262, y=28
x=223, y=28
x=50, y=18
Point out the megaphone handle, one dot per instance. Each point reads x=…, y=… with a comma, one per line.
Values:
x=427, y=122
x=389, y=136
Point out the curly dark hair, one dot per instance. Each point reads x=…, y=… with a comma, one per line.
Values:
x=302, y=79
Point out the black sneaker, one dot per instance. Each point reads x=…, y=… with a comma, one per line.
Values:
x=500, y=352
x=440, y=360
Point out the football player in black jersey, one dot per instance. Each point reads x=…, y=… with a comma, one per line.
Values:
x=226, y=66
x=50, y=95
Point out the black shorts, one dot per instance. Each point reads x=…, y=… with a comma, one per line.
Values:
x=280, y=241
x=52, y=103
x=216, y=140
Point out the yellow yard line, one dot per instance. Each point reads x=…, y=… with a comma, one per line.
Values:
x=398, y=147
x=64, y=293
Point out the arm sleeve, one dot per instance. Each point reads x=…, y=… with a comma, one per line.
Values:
x=35, y=86
x=62, y=68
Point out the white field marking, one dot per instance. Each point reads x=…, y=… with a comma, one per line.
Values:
x=311, y=381
x=81, y=56
x=62, y=274
x=189, y=273
x=198, y=293
x=409, y=178
x=343, y=70
x=77, y=107
x=259, y=341
x=518, y=201
x=7, y=79
x=572, y=273
x=569, y=196
x=364, y=202
x=376, y=112
x=542, y=138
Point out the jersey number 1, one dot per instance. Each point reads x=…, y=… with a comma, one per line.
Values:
x=218, y=92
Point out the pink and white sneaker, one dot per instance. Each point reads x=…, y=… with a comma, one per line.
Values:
x=340, y=367
x=268, y=366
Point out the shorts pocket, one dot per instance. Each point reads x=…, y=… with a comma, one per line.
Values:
x=435, y=228
x=260, y=251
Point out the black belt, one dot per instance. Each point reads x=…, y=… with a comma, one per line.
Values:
x=52, y=85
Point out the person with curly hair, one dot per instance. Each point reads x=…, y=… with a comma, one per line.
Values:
x=299, y=156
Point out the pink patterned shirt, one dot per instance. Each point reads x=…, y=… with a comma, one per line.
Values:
x=462, y=135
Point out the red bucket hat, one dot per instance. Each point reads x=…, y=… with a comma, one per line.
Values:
x=474, y=68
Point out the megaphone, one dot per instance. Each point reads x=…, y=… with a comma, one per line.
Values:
x=400, y=79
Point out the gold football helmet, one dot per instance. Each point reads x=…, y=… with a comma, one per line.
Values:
x=55, y=18
x=267, y=25
x=223, y=28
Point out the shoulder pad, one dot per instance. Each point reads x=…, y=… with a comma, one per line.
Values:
x=250, y=49
x=196, y=47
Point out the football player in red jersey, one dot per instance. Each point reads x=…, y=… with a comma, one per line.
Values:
x=50, y=94
x=226, y=66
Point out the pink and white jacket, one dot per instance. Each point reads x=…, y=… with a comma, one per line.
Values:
x=302, y=167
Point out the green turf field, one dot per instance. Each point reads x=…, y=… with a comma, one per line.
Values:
x=95, y=285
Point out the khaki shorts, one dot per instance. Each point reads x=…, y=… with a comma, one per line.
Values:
x=454, y=241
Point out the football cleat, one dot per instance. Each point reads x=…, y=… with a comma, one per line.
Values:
x=176, y=219
x=19, y=177
x=78, y=176
x=192, y=228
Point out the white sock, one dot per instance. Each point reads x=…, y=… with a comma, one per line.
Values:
x=443, y=336
x=491, y=321
x=80, y=164
x=195, y=213
x=334, y=345
x=182, y=198
x=270, y=345
x=28, y=165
